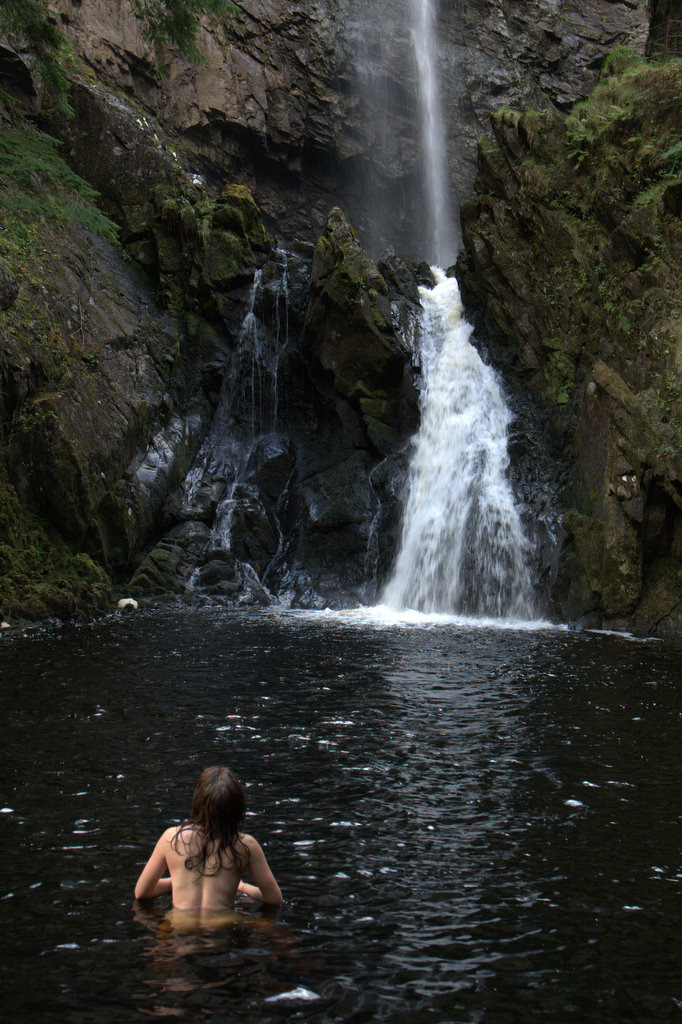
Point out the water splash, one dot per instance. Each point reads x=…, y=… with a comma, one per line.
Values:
x=462, y=548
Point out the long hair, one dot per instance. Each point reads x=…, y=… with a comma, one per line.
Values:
x=218, y=811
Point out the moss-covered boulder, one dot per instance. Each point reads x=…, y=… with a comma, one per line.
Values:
x=573, y=247
x=207, y=250
x=350, y=339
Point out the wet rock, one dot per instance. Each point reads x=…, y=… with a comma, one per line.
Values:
x=168, y=568
x=349, y=338
x=271, y=464
x=254, y=534
x=218, y=574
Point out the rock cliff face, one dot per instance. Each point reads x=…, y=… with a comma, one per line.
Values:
x=573, y=249
x=224, y=421
x=304, y=451
x=312, y=104
x=230, y=418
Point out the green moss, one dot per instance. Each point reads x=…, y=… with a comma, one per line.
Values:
x=584, y=563
x=620, y=60
x=204, y=244
x=236, y=210
x=377, y=316
x=559, y=377
x=40, y=575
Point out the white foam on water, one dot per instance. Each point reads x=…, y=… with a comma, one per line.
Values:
x=383, y=617
x=300, y=995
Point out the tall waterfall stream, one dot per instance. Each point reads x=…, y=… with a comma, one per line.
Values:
x=432, y=132
x=462, y=547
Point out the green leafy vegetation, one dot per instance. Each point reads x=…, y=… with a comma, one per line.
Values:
x=35, y=179
x=51, y=54
x=634, y=108
x=175, y=22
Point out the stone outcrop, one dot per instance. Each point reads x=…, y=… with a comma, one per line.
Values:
x=306, y=448
x=573, y=249
x=312, y=104
x=86, y=363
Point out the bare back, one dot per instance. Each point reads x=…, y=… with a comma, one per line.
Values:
x=216, y=888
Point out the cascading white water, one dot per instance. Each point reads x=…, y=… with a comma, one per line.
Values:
x=440, y=222
x=462, y=547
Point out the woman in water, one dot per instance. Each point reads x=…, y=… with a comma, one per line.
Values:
x=207, y=855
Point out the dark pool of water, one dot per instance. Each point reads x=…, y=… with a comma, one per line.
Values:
x=469, y=825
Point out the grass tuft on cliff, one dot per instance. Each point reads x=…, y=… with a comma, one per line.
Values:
x=35, y=179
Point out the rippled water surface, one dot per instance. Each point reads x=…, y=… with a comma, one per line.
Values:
x=468, y=824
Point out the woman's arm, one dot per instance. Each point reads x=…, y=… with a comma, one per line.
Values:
x=266, y=888
x=150, y=883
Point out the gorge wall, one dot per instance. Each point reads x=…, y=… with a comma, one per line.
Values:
x=312, y=104
x=121, y=369
x=573, y=251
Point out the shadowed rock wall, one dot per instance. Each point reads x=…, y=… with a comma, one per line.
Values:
x=573, y=248
x=311, y=104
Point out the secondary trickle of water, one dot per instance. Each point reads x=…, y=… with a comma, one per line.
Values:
x=432, y=130
x=248, y=408
x=462, y=546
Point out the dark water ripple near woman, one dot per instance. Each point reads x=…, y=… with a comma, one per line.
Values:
x=467, y=824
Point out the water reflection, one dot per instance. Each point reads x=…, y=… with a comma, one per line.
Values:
x=211, y=958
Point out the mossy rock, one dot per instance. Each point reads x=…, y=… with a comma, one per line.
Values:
x=206, y=248
x=583, y=564
x=157, y=575
x=40, y=575
x=236, y=211
x=347, y=326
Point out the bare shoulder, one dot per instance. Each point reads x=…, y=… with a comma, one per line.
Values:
x=250, y=842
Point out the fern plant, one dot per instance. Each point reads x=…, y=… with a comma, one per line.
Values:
x=36, y=179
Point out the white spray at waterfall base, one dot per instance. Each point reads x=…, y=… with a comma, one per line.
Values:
x=462, y=547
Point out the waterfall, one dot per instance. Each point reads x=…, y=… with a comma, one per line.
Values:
x=462, y=546
x=432, y=130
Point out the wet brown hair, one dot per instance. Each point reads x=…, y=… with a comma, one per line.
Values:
x=218, y=811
